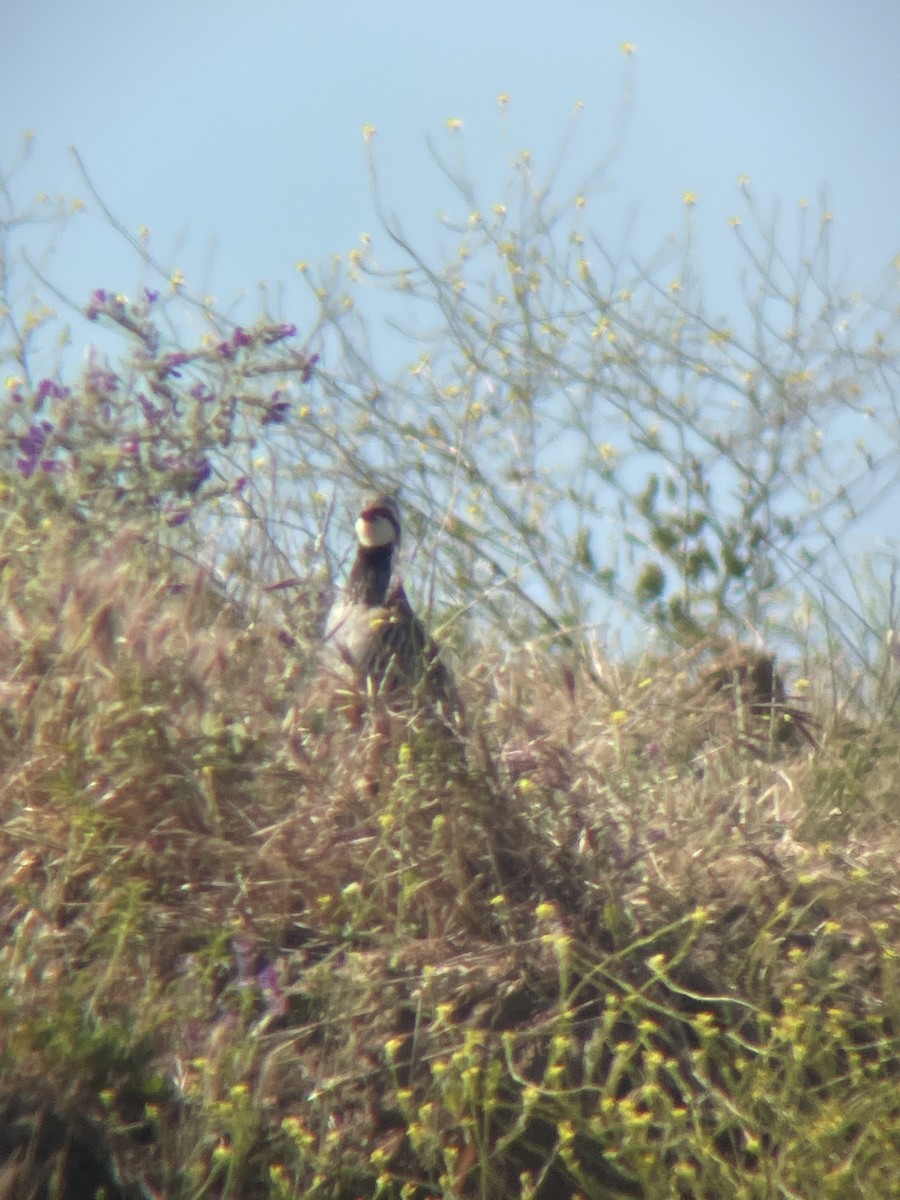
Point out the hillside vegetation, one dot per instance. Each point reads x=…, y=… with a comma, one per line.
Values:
x=629, y=924
x=260, y=940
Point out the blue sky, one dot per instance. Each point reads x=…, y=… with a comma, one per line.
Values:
x=238, y=126
x=235, y=133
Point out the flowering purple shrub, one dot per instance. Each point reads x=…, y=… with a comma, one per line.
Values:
x=165, y=432
x=586, y=444
x=31, y=449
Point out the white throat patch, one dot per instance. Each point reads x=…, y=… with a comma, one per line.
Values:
x=375, y=532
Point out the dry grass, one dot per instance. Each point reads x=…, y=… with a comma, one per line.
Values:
x=619, y=935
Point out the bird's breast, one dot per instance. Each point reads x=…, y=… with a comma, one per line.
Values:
x=353, y=629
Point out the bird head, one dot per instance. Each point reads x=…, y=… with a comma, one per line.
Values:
x=378, y=524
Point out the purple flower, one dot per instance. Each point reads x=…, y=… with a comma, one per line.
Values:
x=150, y=296
x=151, y=412
x=276, y=411
x=48, y=388
x=34, y=440
x=171, y=361
x=241, y=337
x=277, y=333
x=200, y=392
x=272, y=991
x=101, y=379
x=201, y=469
x=98, y=302
x=31, y=447
x=308, y=368
x=225, y=350
x=189, y=475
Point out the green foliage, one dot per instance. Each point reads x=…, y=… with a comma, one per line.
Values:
x=623, y=930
